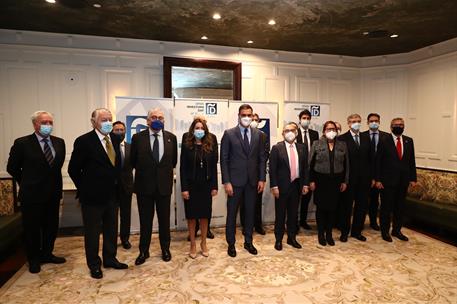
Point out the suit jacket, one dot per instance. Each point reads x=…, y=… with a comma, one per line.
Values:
x=280, y=167
x=390, y=169
x=360, y=161
x=188, y=164
x=266, y=143
x=238, y=165
x=126, y=180
x=147, y=171
x=38, y=181
x=90, y=168
x=313, y=136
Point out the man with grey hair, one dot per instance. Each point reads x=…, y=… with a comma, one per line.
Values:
x=154, y=153
x=35, y=162
x=95, y=169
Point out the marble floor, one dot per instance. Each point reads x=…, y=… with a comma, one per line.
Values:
x=422, y=270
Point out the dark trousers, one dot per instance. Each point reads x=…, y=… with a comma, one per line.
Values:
x=40, y=222
x=325, y=220
x=248, y=194
x=257, y=211
x=373, y=205
x=304, y=203
x=392, y=205
x=287, y=204
x=354, y=202
x=125, y=212
x=100, y=218
x=146, y=206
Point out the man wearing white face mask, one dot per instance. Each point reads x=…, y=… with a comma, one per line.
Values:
x=95, y=169
x=360, y=177
x=307, y=137
x=35, y=162
x=242, y=161
x=288, y=179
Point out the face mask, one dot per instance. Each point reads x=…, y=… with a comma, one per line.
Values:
x=106, y=127
x=356, y=126
x=330, y=135
x=199, y=134
x=45, y=130
x=289, y=136
x=373, y=125
x=397, y=130
x=305, y=123
x=254, y=124
x=157, y=125
x=120, y=135
x=246, y=121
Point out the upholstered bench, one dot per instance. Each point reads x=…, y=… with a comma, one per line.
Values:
x=434, y=199
x=10, y=219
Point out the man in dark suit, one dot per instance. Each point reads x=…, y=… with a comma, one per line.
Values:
x=306, y=136
x=395, y=171
x=289, y=178
x=35, y=162
x=243, y=175
x=125, y=188
x=95, y=169
x=154, y=153
x=360, y=177
x=373, y=121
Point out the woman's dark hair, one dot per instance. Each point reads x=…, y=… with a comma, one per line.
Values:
x=329, y=122
x=207, y=140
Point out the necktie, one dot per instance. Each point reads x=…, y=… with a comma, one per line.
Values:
x=155, y=148
x=357, y=141
x=110, y=151
x=246, y=139
x=305, y=139
x=122, y=156
x=373, y=142
x=399, y=148
x=48, y=152
x=293, y=163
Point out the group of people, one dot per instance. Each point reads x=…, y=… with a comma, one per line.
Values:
x=345, y=173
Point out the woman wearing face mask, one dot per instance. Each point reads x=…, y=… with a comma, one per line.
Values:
x=329, y=175
x=198, y=170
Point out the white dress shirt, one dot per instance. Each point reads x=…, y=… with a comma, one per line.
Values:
x=307, y=137
x=395, y=142
x=101, y=136
x=40, y=140
x=159, y=138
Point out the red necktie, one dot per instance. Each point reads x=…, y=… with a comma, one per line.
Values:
x=293, y=163
x=399, y=148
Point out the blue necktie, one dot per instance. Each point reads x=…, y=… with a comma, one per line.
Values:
x=48, y=152
x=246, y=139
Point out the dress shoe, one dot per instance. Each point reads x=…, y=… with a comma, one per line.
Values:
x=209, y=235
x=360, y=237
x=142, y=258
x=260, y=230
x=321, y=239
x=375, y=226
x=330, y=241
x=34, y=267
x=250, y=248
x=400, y=236
x=193, y=255
x=231, y=251
x=344, y=238
x=126, y=244
x=305, y=226
x=293, y=243
x=166, y=255
x=96, y=273
x=115, y=264
x=204, y=249
x=52, y=259
x=386, y=237
x=278, y=245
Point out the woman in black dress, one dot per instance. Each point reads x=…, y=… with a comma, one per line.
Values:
x=198, y=170
x=329, y=175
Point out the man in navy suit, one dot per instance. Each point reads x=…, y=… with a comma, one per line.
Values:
x=35, y=162
x=242, y=161
x=395, y=171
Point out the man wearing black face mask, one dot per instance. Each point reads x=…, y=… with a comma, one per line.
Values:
x=395, y=170
x=124, y=196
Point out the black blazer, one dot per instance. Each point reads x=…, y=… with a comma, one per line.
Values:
x=188, y=163
x=266, y=142
x=126, y=180
x=360, y=160
x=280, y=168
x=147, y=171
x=390, y=170
x=313, y=136
x=373, y=152
x=96, y=179
x=38, y=181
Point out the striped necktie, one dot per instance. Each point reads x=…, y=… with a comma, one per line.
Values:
x=47, y=151
x=110, y=151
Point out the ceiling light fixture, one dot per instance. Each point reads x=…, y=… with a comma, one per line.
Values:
x=204, y=38
x=250, y=41
x=271, y=22
x=97, y=5
x=216, y=16
x=51, y=1
x=393, y=36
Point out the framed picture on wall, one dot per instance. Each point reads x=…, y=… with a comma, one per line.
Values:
x=8, y=199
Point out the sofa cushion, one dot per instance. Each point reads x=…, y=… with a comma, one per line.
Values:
x=435, y=186
x=6, y=197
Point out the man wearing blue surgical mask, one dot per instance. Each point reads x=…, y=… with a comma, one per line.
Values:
x=35, y=162
x=154, y=153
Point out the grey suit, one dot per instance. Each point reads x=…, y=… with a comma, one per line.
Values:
x=243, y=167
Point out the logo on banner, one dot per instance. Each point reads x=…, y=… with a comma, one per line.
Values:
x=264, y=126
x=134, y=124
x=210, y=108
x=315, y=110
